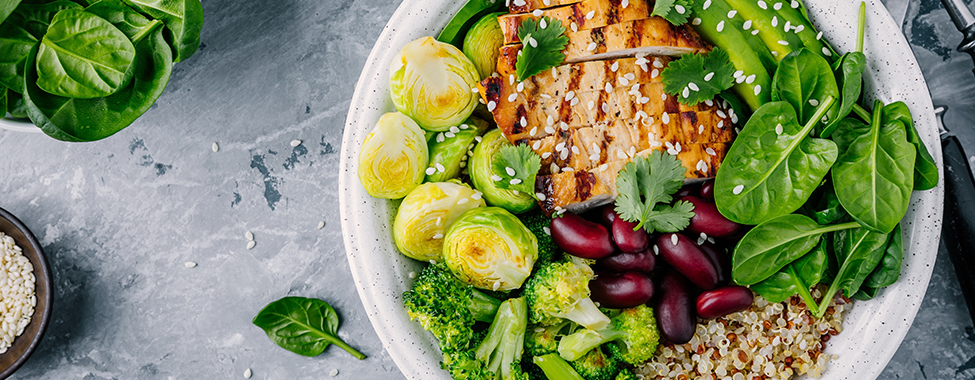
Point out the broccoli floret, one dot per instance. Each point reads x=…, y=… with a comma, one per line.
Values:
x=539, y=224
x=560, y=290
x=555, y=368
x=633, y=331
x=626, y=374
x=542, y=340
x=502, y=348
x=596, y=365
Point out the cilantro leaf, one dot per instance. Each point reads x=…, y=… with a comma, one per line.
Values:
x=542, y=43
x=515, y=168
x=675, y=12
x=646, y=187
x=695, y=78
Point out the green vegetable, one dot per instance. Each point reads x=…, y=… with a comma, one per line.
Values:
x=3, y=101
x=626, y=374
x=425, y=215
x=823, y=206
x=431, y=82
x=184, y=21
x=849, y=74
x=699, y=77
x=633, y=331
x=502, y=348
x=482, y=43
x=889, y=270
x=133, y=24
x=596, y=365
x=772, y=245
x=473, y=11
x=646, y=186
x=15, y=104
x=35, y=17
x=6, y=8
x=539, y=224
x=305, y=326
x=773, y=167
x=874, y=177
x=542, y=340
x=517, y=165
x=393, y=157
x=489, y=248
x=69, y=65
x=779, y=40
x=541, y=46
x=556, y=368
x=809, y=36
x=483, y=177
x=93, y=119
x=865, y=293
x=858, y=251
x=15, y=45
x=676, y=12
x=797, y=277
x=560, y=290
x=449, y=150
x=925, y=169
x=804, y=80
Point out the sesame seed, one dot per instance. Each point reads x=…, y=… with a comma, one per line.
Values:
x=524, y=122
x=542, y=23
x=814, y=102
x=738, y=189
x=605, y=108
x=615, y=66
x=720, y=124
x=546, y=155
x=621, y=154
x=721, y=114
x=295, y=143
x=590, y=15
x=574, y=27
x=594, y=157
x=693, y=86
x=711, y=152
x=521, y=87
x=609, y=88
x=755, y=32
x=777, y=6
x=564, y=155
x=761, y=4
x=709, y=102
x=686, y=93
x=783, y=43
x=732, y=13
x=707, y=3
x=549, y=130
x=533, y=131
x=449, y=134
x=511, y=79
x=663, y=96
x=665, y=118
x=707, y=78
x=658, y=64
x=554, y=168
x=720, y=26
x=740, y=79
x=540, y=196
x=321, y=225
x=795, y=4
x=564, y=126
x=575, y=150
x=788, y=25
x=455, y=129
x=630, y=76
x=189, y=264
x=532, y=42
x=758, y=89
x=537, y=13
x=215, y=148
x=673, y=239
x=644, y=100
x=700, y=129
x=624, y=81
x=548, y=231
x=514, y=181
x=703, y=237
x=826, y=52
x=251, y=244
x=537, y=145
x=591, y=47
x=477, y=138
x=696, y=21
x=749, y=79
x=680, y=9
x=491, y=106
x=440, y=167
x=249, y=235
x=654, y=73
x=778, y=129
x=560, y=146
x=440, y=137
x=819, y=36
x=248, y=373
x=550, y=120
x=799, y=28
x=747, y=25
x=496, y=178
x=464, y=126
x=430, y=171
x=591, y=105
x=465, y=200
x=509, y=170
x=775, y=20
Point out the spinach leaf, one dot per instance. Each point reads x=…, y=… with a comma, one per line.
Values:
x=823, y=206
x=7, y=7
x=804, y=79
x=866, y=293
x=133, y=24
x=796, y=277
x=83, y=56
x=874, y=175
x=305, y=326
x=772, y=245
x=849, y=73
x=15, y=45
x=3, y=101
x=858, y=251
x=773, y=167
x=94, y=119
x=925, y=169
x=184, y=21
x=465, y=18
x=15, y=104
x=36, y=18
x=889, y=270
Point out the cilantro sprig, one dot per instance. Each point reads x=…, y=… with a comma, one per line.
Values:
x=515, y=167
x=542, y=44
x=695, y=78
x=675, y=12
x=646, y=187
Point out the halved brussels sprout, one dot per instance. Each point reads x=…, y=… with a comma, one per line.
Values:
x=483, y=43
x=489, y=248
x=425, y=215
x=481, y=173
x=431, y=82
x=448, y=150
x=393, y=157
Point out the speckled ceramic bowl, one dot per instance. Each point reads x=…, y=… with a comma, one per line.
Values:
x=872, y=331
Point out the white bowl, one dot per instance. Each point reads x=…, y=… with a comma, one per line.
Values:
x=18, y=125
x=872, y=331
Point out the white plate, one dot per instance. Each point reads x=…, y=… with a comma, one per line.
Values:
x=873, y=330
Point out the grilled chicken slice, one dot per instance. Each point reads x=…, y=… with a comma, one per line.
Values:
x=650, y=36
x=583, y=15
x=523, y=6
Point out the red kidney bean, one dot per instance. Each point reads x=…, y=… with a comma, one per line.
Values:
x=708, y=220
x=580, y=237
x=675, y=313
x=604, y=215
x=687, y=258
x=707, y=190
x=733, y=240
x=721, y=260
x=723, y=301
x=643, y=262
x=621, y=290
x=627, y=239
x=688, y=189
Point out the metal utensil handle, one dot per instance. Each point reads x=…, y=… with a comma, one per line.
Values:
x=965, y=22
x=958, y=233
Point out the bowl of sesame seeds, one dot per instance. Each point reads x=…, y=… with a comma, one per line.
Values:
x=25, y=293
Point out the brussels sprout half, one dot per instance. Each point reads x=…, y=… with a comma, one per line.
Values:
x=393, y=157
x=489, y=248
x=425, y=215
x=431, y=82
x=483, y=42
x=481, y=173
x=449, y=150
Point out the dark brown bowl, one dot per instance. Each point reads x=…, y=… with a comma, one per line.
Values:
x=25, y=344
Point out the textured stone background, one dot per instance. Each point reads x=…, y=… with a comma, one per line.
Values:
x=120, y=217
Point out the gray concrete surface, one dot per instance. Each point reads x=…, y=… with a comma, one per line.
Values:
x=120, y=217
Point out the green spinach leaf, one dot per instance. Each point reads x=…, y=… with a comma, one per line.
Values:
x=866, y=293
x=305, y=326
x=83, y=56
x=849, y=74
x=772, y=245
x=804, y=79
x=925, y=169
x=858, y=251
x=889, y=270
x=796, y=277
x=133, y=24
x=94, y=119
x=15, y=104
x=184, y=21
x=874, y=175
x=7, y=7
x=3, y=101
x=823, y=206
x=36, y=17
x=15, y=45
x=773, y=166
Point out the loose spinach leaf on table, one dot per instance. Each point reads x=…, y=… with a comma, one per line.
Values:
x=305, y=326
x=772, y=245
x=925, y=169
x=804, y=80
x=858, y=252
x=796, y=277
x=93, y=119
x=849, y=74
x=133, y=24
x=184, y=21
x=889, y=270
x=773, y=166
x=69, y=64
x=15, y=45
x=874, y=174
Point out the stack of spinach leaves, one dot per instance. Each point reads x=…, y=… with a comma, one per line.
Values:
x=83, y=70
x=825, y=181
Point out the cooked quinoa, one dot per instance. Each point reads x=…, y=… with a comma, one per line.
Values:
x=17, y=298
x=767, y=341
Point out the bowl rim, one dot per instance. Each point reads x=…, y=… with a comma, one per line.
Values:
x=46, y=276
